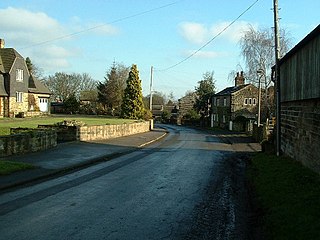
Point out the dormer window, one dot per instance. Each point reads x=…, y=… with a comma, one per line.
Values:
x=19, y=75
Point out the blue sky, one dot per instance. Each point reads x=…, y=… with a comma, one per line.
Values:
x=144, y=32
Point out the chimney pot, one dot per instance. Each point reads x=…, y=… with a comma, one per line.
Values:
x=1, y=43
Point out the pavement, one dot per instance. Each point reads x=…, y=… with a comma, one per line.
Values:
x=71, y=156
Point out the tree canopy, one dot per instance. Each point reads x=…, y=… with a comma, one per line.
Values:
x=64, y=85
x=204, y=92
x=111, y=91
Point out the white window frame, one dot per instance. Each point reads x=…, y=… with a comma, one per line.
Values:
x=218, y=101
x=224, y=119
x=225, y=102
x=19, y=75
x=19, y=97
x=250, y=101
x=254, y=101
x=246, y=101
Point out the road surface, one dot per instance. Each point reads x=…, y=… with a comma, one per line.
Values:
x=188, y=186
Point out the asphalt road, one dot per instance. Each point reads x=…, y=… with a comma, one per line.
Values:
x=188, y=186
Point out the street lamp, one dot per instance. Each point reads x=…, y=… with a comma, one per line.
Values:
x=261, y=73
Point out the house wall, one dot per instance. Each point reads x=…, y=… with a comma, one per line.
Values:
x=221, y=111
x=300, y=131
x=16, y=86
x=238, y=106
x=17, y=107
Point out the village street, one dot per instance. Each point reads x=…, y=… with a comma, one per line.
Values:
x=189, y=185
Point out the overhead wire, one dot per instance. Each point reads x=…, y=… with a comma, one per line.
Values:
x=102, y=25
x=211, y=40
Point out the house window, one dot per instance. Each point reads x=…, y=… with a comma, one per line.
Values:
x=224, y=119
x=19, y=75
x=250, y=101
x=217, y=101
x=224, y=102
x=19, y=97
x=246, y=101
x=254, y=101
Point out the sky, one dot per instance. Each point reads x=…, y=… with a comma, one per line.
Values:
x=87, y=36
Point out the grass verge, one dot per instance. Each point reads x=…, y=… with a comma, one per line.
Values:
x=289, y=195
x=8, y=167
x=7, y=123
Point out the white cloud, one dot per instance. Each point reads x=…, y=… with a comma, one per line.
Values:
x=198, y=33
x=194, y=32
x=43, y=38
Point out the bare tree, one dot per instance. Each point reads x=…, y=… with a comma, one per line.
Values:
x=64, y=85
x=257, y=49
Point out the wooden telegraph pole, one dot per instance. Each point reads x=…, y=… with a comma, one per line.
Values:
x=151, y=80
x=277, y=75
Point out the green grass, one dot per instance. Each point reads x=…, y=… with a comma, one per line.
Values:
x=8, y=167
x=7, y=123
x=289, y=194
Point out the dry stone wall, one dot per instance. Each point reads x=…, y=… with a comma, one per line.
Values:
x=27, y=141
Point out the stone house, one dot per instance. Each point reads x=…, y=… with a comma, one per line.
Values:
x=234, y=108
x=20, y=93
x=299, y=73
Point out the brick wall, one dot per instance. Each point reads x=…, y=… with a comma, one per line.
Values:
x=300, y=131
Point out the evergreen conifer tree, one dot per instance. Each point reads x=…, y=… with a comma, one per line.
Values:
x=132, y=105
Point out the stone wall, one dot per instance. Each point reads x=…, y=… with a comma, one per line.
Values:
x=22, y=141
x=300, y=131
x=101, y=132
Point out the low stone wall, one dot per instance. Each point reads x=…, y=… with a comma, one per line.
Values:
x=23, y=141
x=300, y=131
x=101, y=132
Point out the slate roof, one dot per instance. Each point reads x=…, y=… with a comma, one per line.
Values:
x=8, y=55
x=35, y=86
x=7, y=59
x=229, y=90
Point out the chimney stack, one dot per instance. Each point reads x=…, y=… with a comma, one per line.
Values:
x=239, y=80
x=1, y=43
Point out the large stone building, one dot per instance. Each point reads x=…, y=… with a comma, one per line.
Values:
x=20, y=93
x=235, y=107
x=300, y=101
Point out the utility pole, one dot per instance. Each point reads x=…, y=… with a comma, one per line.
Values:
x=151, y=80
x=277, y=75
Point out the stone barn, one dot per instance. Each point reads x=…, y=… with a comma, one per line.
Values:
x=299, y=73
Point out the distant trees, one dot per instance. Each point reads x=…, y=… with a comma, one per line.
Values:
x=132, y=104
x=64, y=85
x=111, y=91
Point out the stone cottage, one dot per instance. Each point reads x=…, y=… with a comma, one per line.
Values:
x=20, y=93
x=235, y=107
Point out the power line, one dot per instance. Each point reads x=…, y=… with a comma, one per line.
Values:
x=102, y=25
x=211, y=40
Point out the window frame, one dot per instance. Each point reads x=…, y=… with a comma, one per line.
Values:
x=19, y=97
x=19, y=75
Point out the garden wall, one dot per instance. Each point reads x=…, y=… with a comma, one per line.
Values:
x=101, y=132
x=23, y=141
